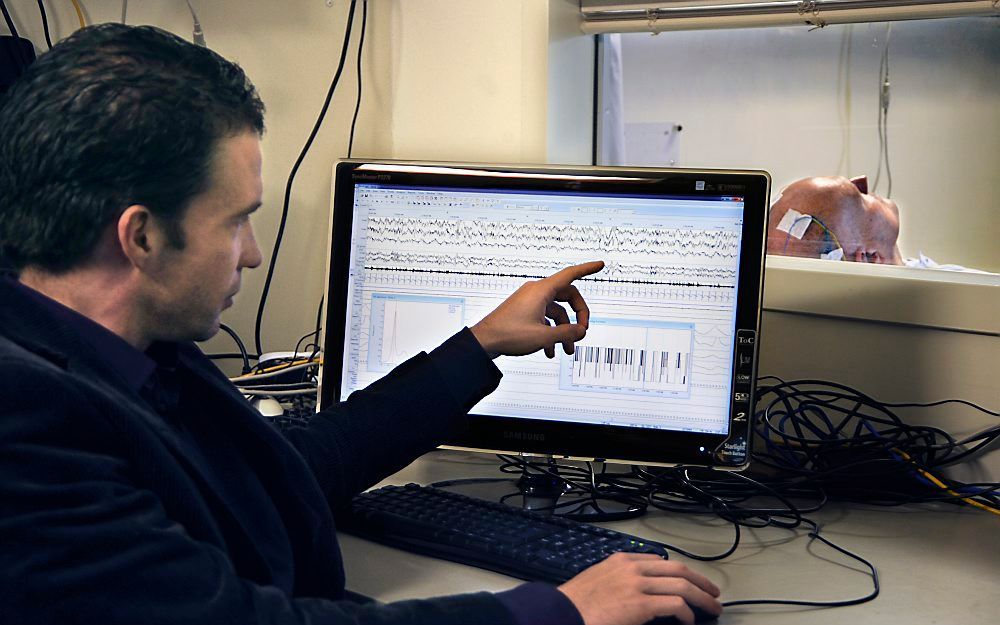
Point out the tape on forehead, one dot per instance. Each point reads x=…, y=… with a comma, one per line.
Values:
x=795, y=223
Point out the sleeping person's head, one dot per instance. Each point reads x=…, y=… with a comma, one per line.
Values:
x=816, y=217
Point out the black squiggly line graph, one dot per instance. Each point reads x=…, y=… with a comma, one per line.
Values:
x=490, y=235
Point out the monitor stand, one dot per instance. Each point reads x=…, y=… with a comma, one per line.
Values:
x=546, y=494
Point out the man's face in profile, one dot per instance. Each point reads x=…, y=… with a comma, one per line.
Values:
x=187, y=288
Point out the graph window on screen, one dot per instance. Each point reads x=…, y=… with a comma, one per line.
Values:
x=426, y=261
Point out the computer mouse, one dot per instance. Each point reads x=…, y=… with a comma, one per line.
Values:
x=700, y=616
x=269, y=407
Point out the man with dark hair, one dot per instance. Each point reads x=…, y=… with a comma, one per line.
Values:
x=136, y=483
x=133, y=130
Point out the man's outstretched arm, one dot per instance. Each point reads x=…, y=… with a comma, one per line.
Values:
x=423, y=402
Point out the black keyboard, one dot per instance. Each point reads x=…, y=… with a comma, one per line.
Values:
x=513, y=541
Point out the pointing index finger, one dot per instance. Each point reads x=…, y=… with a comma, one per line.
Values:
x=563, y=290
x=575, y=272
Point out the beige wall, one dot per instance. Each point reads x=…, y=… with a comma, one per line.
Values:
x=469, y=80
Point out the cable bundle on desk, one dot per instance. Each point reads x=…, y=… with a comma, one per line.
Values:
x=817, y=441
x=830, y=438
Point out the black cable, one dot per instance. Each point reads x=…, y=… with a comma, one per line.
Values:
x=298, y=344
x=7, y=18
x=717, y=506
x=230, y=356
x=815, y=534
x=357, y=104
x=319, y=318
x=291, y=178
x=239, y=344
x=291, y=362
x=45, y=24
x=942, y=402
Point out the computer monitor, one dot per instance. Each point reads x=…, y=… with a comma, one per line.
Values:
x=666, y=373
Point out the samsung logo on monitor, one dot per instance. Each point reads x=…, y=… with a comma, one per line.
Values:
x=523, y=436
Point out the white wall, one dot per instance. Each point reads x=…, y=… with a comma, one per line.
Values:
x=465, y=77
x=801, y=103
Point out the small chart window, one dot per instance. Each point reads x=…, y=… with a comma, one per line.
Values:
x=631, y=356
x=402, y=326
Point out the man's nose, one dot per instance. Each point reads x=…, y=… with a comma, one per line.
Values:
x=251, y=256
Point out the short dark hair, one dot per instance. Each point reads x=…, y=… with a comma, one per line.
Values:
x=112, y=116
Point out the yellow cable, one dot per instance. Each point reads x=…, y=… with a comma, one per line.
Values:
x=943, y=486
x=285, y=365
x=79, y=13
x=836, y=241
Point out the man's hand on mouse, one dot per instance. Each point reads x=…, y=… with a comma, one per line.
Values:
x=632, y=589
x=520, y=325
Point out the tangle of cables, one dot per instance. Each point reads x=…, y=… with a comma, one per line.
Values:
x=816, y=442
x=291, y=379
x=843, y=444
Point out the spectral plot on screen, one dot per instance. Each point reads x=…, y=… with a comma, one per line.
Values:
x=402, y=326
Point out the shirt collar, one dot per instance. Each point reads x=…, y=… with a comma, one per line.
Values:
x=134, y=367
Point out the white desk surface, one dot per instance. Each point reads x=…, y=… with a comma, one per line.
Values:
x=937, y=564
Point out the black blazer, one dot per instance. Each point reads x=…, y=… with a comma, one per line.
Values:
x=106, y=515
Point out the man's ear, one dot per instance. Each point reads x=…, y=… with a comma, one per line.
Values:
x=139, y=237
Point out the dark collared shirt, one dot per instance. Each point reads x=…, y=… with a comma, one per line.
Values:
x=134, y=367
x=156, y=378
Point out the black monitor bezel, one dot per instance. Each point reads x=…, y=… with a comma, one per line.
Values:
x=561, y=439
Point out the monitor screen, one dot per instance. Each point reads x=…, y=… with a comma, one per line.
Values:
x=665, y=373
